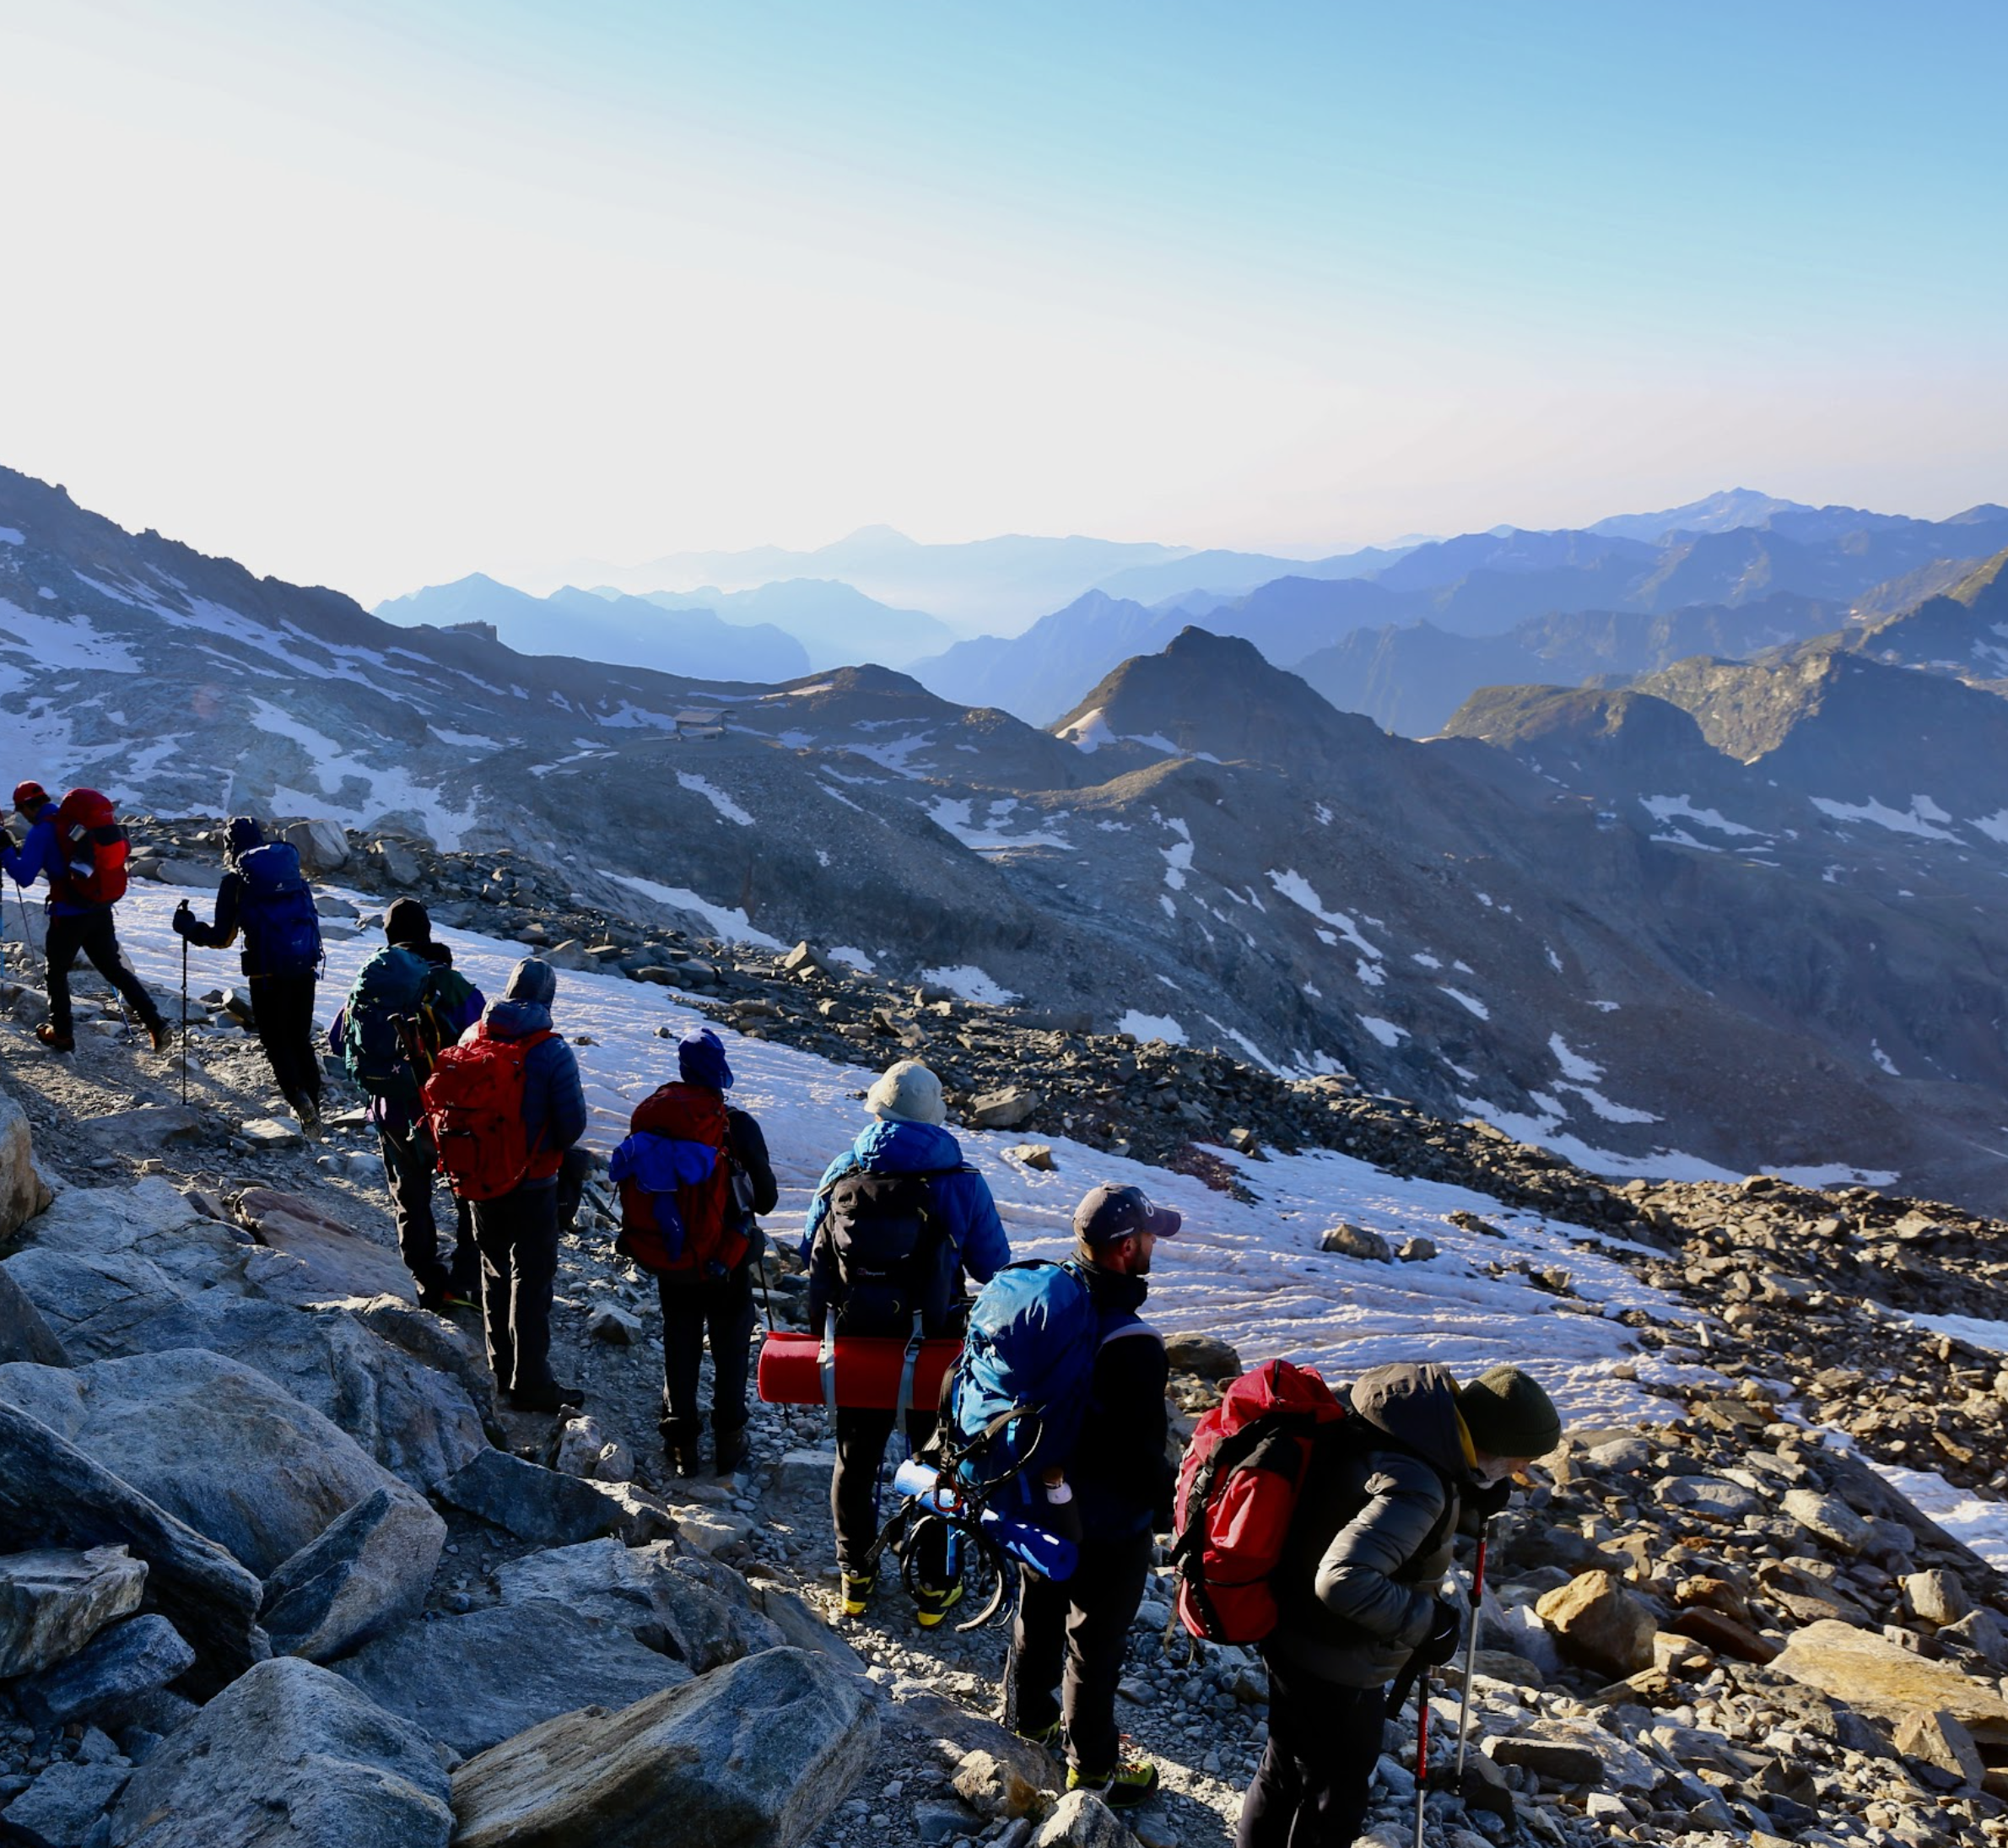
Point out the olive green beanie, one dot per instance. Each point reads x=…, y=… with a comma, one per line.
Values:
x=1509, y=1414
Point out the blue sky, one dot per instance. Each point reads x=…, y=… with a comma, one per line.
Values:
x=377, y=294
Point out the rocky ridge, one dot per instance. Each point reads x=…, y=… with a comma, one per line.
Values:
x=1676, y=1606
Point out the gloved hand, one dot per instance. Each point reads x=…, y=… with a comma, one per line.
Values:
x=1440, y=1645
x=182, y=919
x=1489, y=1498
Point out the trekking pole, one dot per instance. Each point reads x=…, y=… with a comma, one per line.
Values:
x=1421, y=1748
x=184, y=1023
x=1470, y=1653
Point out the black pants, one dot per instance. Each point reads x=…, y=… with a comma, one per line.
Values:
x=90, y=934
x=410, y=1162
x=517, y=1239
x=1067, y=1649
x=1310, y=1789
x=283, y=1008
x=724, y=1311
x=861, y=1436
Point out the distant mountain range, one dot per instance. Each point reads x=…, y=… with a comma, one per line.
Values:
x=1735, y=914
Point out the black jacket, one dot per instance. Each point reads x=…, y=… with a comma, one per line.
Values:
x=1121, y=1478
x=748, y=1147
x=221, y=934
x=1357, y=1585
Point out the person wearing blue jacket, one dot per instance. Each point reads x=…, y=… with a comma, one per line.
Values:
x=76, y=927
x=517, y=1235
x=908, y=1138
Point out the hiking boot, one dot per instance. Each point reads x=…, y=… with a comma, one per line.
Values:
x=856, y=1591
x=685, y=1458
x=56, y=1042
x=1131, y=1784
x=1048, y=1735
x=932, y=1602
x=733, y=1449
x=162, y=1036
x=547, y=1398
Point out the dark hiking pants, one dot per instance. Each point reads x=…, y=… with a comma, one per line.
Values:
x=723, y=1311
x=283, y=1008
x=90, y=934
x=1310, y=1789
x=861, y=1437
x=1068, y=1645
x=409, y=1163
x=517, y=1239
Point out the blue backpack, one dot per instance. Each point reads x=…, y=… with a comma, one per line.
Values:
x=1021, y=1385
x=275, y=911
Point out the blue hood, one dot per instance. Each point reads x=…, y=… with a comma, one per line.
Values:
x=516, y=1019
x=906, y=1149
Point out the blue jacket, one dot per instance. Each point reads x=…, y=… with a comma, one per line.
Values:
x=36, y=856
x=553, y=1099
x=963, y=1198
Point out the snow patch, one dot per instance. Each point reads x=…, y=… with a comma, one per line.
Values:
x=1573, y=1064
x=846, y=953
x=1471, y=1002
x=1294, y=886
x=1385, y=1031
x=726, y=808
x=1918, y=820
x=1178, y=857
x=1151, y=1026
x=972, y=984
x=953, y=818
x=726, y=921
x=1665, y=808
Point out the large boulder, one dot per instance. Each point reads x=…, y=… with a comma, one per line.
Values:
x=663, y=1601
x=289, y=1756
x=65, y=1803
x=433, y=1341
x=53, y=1603
x=272, y=1473
x=417, y=1423
x=473, y=1681
x=1081, y=1819
x=128, y=1661
x=754, y=1755
x=91, y=1300
x=549, y=1508
x=366, y=1573
x=328, y=1262
x=24, y=1331
x=51, y=1494
x=1887, y=1682
x=149, y=1220
x=1600, y=1624
x=320, y=844
x=22, y=1195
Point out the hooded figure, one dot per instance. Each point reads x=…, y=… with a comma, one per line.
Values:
x=517, y=1235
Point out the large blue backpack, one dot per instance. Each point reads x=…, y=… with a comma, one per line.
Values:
x=275, y=911
x=389, y=987
x=1021, y=1384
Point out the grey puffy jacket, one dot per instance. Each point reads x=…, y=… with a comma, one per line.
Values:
x=1373, y=1531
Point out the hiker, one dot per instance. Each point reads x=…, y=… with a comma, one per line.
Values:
x=517, y=1232
x=411, y=979
x=1357, y=1585
x=264, y=896
x=1069, y=1636
x=897, y=1221
x=695, y=1173
x=80, y=846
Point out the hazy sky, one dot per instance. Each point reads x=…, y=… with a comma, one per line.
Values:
x=377, y=295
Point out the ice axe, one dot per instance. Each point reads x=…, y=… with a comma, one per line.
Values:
x=1422, y=1750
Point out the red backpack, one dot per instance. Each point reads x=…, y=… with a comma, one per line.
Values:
x=94, y=848
x=1239, y=1486
x=474, y=1104
x=671, y=1225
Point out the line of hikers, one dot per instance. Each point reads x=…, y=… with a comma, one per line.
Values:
x=1317, y=1525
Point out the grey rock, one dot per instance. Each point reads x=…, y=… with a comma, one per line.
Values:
x=473, y=1681
x=434, y=1340
x=1981, y=1631
x=21, y=1192
x=149, y=1220
x=1417, y=1250
x=1936, y=1598
x=401, y=865
x=1829, y=1517
x=24, y=1333
x=65, y=1803
x=1208, y=1356
x=53, y=1602
x=541, y=1506
x=614, y=1325
x=367, y=1572
x=1004, y=1109
x=131, y=1657
x=1081, y=1819
x=321, y=844
x=51, y=1492
x=418, y=1423
x=147, y=1129
x=91, y=1300
x=801, y=1629
x=1357, y=1241
x=274, y=1472
x=1709, y=1496
x=659, y=1599
x=757, y=1753
x=289, y=1756
x=1937, y=1737
x=329, y=1263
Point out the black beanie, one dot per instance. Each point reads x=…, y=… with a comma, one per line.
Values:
x=1508, y=1413
x=406, y=922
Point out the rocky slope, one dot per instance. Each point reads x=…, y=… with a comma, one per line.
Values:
x=293, y=1553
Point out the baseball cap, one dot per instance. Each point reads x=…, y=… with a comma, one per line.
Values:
x=1110, y=1213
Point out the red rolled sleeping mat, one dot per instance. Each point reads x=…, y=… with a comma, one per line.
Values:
x=868, y=1369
